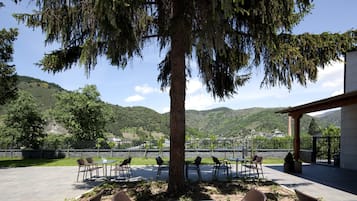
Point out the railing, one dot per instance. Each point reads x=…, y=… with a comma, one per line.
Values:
x=326, y=150
x=150, y=153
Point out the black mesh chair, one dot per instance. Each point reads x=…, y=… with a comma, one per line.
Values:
x=194, y=166
x=123, y=168
x=221, y=165
x=160, y=166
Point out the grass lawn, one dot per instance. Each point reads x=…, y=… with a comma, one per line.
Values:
x=18, y=162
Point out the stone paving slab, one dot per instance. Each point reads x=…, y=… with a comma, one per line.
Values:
x=311, y=187
x=41, y=184
x=59, y=183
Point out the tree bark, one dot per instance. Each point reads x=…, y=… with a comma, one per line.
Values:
x=177, y=105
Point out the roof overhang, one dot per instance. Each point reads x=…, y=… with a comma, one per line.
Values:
x=324, y=104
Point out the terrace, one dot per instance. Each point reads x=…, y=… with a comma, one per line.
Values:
x=328, y=183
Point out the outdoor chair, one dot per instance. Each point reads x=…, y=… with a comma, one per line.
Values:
x=218, y=165
x=256, y=165
x=254, y=195
x=304, y=197
x=121, y=196
x=84, y=167
x=160, y=166
x=93, y=164
x=194, y=166
x=123, y=168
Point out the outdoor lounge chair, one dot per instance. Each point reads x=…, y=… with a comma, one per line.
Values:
x=194, y=166
x=304, y=197
x=121, y=196
x=256, y=165
x=122, y=169
x=160, y=166
x=254, y=195
x=218, y=165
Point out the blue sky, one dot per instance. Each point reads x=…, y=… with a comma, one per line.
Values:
x=137, y=84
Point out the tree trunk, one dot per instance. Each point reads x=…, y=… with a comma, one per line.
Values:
x=177, y=105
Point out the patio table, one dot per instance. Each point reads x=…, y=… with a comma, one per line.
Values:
x=105, y=163
x=242, y=161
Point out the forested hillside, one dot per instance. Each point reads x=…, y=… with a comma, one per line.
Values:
x=220, y=121
x=43, y=92
x=229, y=123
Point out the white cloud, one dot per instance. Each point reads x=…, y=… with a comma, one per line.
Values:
x=261, y=94
x=134, y=98
x=334, y=70
x=199, y=102
x=145, y=89
x=193, y=86
x=165, y=109
x=335, y=83
x=339, y=92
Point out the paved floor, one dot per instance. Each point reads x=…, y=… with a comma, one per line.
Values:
x=328, y=183
x=41, y=184
x=59, y=183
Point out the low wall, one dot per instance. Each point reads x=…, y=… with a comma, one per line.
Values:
x=151, y=153
x=306, y=156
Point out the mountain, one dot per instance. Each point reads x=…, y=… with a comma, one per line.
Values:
x=141, y=118
x=43, y=92
x=123, y=117
x=331, y=117
x=229, y=123
x=144, y=122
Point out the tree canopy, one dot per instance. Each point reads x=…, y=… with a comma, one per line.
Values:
x=8, y=79
x=228, y=38
x=83, y=115
x=314, y=128
x=25, y=121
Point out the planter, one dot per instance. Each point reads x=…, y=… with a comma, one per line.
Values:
x=288, y=167
x=297, y=166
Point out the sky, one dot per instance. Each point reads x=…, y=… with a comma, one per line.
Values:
x=137, y=85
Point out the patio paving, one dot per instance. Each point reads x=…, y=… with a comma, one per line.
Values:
x=328, y=183
x=59, y=183
x=41, y=184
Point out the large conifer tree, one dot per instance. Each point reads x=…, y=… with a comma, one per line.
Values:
x=228, y=37
x=8, y=78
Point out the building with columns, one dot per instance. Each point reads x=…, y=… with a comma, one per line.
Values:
x=348, y=103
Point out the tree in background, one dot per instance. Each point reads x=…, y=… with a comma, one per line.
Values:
x=83, y=115
x=314, y=128
x=25, y=121
x=330, y=138
x=331, y=131
x=160, y=144
x=227, y=38
x=8, y=79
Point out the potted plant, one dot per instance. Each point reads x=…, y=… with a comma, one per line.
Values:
x=289, y=163
x=297, y=166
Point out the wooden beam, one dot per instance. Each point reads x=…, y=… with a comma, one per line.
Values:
x=324, y=104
